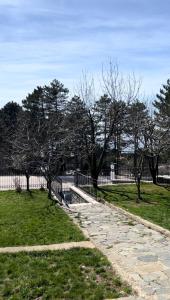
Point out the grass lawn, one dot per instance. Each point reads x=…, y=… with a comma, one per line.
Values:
x=154, y=207
x=72, y=274
x=30, y=219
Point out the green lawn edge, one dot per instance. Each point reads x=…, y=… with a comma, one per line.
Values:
x=154, y=206
x=71, y=274
x=32, y=219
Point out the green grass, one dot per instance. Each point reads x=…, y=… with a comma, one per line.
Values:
x=72, y=274
x=31, y=219
x=155, y=204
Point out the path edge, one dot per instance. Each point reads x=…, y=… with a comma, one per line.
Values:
x=138, y=219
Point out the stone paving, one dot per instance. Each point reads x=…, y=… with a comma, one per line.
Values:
x=139, y=254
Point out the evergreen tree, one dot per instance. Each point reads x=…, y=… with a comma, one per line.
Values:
x=9, y=114
x=76, y=116
x=45, y=109
x=8, y=127
x=55, y=96
x=162, y=106
x=34, y=103
x=46, y=100
x=137, y=116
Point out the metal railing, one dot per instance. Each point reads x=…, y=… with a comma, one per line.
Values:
x=92, y=187
x=57, y=188
x=86, y=183
x=61, y=191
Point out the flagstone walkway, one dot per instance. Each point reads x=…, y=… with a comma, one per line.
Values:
x=139, y=254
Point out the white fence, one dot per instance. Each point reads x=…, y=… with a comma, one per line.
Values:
x=8, y=182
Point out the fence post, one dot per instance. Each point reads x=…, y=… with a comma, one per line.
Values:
x=112, y=171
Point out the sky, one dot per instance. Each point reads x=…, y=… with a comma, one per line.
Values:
x=45, y=39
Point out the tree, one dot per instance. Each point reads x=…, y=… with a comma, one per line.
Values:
x=95, y=127
x=46, y=110
x=137, y=115
x=119, y=131
x=3, y=143
x=52, y=148
x=156, y=141
x=45, y=100
x=10, y=113
x=24, y=148
x=104, y=116
x=98, y=133
x=8, y=125
x=162, y=106
x=138, y=174
x=55, y=96
x=34, y=103
x=135, y=123
x=76, y=116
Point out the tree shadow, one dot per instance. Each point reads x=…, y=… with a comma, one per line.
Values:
x=105, y=191
x=28, y=194
x=50, y=207
x=166, y=187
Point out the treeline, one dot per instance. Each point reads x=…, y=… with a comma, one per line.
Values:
x=50, y=129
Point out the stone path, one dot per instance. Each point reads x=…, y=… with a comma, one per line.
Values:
x=62, y=246
x=139, y=254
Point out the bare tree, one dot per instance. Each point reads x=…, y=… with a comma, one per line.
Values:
x=103, y=116
x=119, y=87
x=51, y=148
x=24, y=152
x=39, y=141
x=157, y=140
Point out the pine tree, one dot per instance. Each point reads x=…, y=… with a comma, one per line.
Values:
x=76, y=124
x=55, y=96
x=45, y=109
x=8, y=127
x=162, y=106
x=137, y=116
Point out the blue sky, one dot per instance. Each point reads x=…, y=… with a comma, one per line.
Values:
x=45, y=39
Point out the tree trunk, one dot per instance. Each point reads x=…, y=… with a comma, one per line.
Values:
x=49, y=188
x=118, y=153
x=154, y=176
x=153, y=166
x=94, y=181
x=94, y=176
x=28, y=181
x=135, y=159
x=93, y=168
x=138, y=189
x=116, y=157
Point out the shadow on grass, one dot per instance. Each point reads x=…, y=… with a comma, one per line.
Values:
x=105, y=192
x=49, y=207
x=166, y=187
